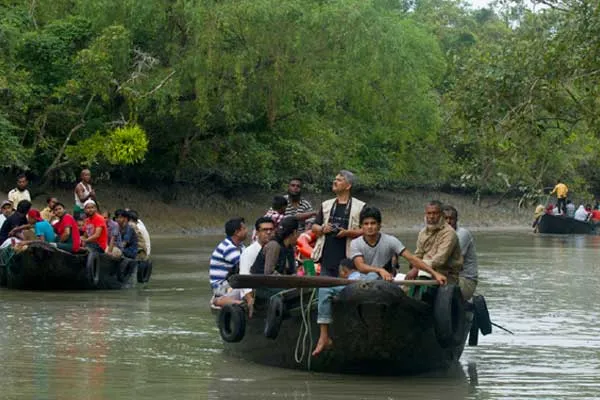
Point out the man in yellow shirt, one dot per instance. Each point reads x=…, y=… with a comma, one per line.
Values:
x=561, y=191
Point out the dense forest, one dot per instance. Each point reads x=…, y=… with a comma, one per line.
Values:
x=222, y=94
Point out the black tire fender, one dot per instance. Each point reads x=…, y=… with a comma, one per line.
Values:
x=449, y=315
x=474, y=332
x=144, y=271
x=124, y=269
x=482, y=315
x=274, y=317
x=232, y=323
x=92, y=269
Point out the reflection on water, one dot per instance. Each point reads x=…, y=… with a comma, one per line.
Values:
x=161, y=341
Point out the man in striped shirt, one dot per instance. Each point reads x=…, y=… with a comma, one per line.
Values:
x=298, y=206
x=225, y=259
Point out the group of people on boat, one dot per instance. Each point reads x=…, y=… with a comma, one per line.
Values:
x=565, y=207
x=349, y=244
x=20, y=224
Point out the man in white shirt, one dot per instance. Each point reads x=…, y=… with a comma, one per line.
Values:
x=20, y=192
x=6, y=209
x=265, y=230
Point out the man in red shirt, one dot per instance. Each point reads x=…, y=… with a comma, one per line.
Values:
x=66, y=229
x=595, y=215
x=94, y=228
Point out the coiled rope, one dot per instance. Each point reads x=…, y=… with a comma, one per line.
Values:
x=305, y=334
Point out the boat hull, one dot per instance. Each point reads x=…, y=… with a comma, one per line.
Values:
x=44, y=267
x=380, y=331
x=558, y=224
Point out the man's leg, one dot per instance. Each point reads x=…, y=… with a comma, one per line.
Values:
x=324, y=318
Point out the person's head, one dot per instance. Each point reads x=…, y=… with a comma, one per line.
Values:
x=236, y=229
x=86, y=176
x=370, y=221
x=588, y=207
x=288, y=231
x=59, y=209
x=295, y=188
x=265, y=229
x=51, y=201
x=346, y=267
x=23, y=207
x=433, y=212
x=569, y=202
x=122, y=217
x=90, y=207
x=133, y=215
x=279, y=204
x=6, y=208
x=22, y=182
x=451, y=215
x=343, y=182
x=33, y=216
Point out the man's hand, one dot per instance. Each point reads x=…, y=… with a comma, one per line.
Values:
x=385, y=275
x=326, y=229
x=250, y=301
x=440, y=278
x=412, y=274
x=342, y=233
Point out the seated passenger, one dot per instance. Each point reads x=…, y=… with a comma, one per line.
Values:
x=142, y=247
x=114, y=235
x=47, y=213
x=277, y=256
x=438, y=246
x=67, y=230
x=96, y=232
x=18, y=218
x=42, y=228
x=371, y=254
x=275, y=213
x=581, y=214
x=225, y=261
x=570, y=207
x=129, y=241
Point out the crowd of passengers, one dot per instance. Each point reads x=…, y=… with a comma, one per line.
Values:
x=349, y=244
x=123, y=235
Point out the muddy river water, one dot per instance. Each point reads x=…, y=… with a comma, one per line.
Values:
x=160, y=342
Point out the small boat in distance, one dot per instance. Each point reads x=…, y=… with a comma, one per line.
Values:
x=560, y=224
x=40, y=266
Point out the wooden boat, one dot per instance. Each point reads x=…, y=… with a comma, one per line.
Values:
x=560, y=224
x=377, y=329
x=40, y=266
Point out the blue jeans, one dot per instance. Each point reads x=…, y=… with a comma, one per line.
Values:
x=326, y=294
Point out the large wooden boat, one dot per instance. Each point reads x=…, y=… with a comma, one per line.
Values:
x=560, y=224
x=40, y=266
x=377, y=329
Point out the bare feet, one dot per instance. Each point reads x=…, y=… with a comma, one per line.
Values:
x=322, y=344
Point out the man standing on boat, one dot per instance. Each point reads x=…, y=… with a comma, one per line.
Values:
x=437, y=245
x=20, y=193
x=467, y=279
x=336, y=224
x=297, y=205
x=225, y=260
x=83, y=193
x=371, y=254
x=561, y=191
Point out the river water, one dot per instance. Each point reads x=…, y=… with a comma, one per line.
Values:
x=160, y=342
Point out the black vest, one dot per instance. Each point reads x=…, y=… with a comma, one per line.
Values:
x=286, y=264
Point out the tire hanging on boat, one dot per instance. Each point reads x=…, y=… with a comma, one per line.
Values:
x=274, y=317
x=482, y=315
x=232, y=323
x=92, y=269
x=144, y=271
x=126, y=266
x=449, y=315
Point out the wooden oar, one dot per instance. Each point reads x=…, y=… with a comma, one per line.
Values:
x=289, y=281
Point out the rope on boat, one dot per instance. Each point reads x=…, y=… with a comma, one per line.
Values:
x=305, y=333
x=6, y=256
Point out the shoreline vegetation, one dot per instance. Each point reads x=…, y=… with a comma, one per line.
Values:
x=194, y=213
